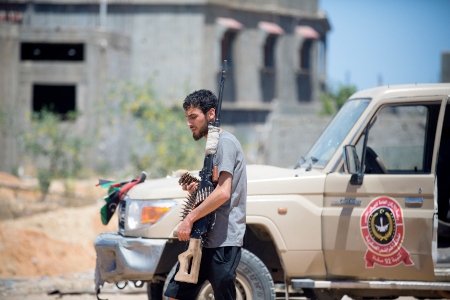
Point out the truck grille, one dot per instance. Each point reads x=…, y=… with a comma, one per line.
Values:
x=121, y=215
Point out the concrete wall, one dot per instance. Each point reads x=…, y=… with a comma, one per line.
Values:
x=10, y=123
x=106, y=58
x=288, y=137
x=178, y=46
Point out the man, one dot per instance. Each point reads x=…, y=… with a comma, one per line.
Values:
x=222, y=249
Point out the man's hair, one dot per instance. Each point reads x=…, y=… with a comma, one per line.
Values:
x=202, y=99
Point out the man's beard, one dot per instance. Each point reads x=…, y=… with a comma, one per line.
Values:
x=202, y=132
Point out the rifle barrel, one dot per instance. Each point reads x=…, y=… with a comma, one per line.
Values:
x=219, y=99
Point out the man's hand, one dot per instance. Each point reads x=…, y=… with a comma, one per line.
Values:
x=184, y=230
x=218, y=196
x=190, y=188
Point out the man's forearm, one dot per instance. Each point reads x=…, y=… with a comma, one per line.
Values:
x=218, y=197
x=210, y=204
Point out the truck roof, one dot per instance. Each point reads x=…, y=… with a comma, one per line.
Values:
x=406, y=90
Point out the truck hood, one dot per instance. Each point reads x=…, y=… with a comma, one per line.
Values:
x=261, y=180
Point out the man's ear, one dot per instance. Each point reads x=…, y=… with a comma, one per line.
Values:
x=211, y=115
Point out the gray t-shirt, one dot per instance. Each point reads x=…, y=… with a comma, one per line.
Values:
x=229, y=222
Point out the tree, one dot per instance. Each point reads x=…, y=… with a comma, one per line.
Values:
x=332, y=101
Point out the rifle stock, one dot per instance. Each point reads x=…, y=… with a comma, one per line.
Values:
x=190, y=262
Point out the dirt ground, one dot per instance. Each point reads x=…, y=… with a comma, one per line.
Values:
x=47, y=246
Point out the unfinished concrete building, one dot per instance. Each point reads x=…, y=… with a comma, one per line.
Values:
x=63, y=53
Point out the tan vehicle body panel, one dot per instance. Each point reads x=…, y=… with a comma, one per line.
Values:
x=341, y=233
x=343, y=241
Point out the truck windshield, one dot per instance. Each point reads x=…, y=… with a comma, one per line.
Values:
x=333, y=135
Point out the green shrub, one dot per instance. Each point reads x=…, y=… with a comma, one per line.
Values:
x=55, y=148
x=159, y=140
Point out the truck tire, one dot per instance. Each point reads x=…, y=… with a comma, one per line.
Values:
x=253, y=281
x=154, y=291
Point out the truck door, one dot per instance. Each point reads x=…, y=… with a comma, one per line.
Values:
x=383, y=228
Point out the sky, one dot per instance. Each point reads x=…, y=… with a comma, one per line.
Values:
x=387, y=42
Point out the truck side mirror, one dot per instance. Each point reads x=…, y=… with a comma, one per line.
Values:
x=353, y=165
x=351, y=159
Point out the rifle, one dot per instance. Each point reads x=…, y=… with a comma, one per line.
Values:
x=191, y=258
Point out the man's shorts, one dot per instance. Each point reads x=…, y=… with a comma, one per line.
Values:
x=218, y=265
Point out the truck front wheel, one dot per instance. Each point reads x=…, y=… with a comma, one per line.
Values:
x=253, y=281
x=154, y=291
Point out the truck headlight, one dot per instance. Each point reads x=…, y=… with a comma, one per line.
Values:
x=145, y=213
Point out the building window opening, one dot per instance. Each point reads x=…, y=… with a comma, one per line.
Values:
x=269, y=51
x=59, y=99
x=51, y=52
x=305, y=54
x=227, y=47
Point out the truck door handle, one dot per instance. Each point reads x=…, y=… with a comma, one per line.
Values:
x=414, y=201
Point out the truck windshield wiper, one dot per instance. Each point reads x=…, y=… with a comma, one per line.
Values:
x=299, y=162
x=312, y=160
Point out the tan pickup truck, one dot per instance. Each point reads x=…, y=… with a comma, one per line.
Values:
x=365, y=213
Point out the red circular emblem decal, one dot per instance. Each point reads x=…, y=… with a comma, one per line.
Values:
x=383, y=230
